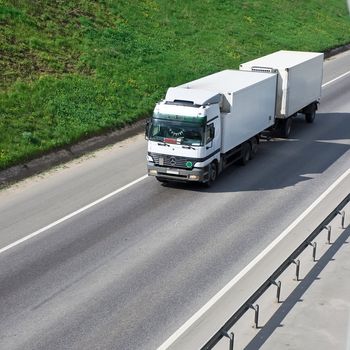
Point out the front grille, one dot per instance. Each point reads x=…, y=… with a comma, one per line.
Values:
x=172, y=161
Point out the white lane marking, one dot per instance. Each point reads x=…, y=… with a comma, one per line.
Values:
x=97, y=201
x=229, y=285
x=65, y=218
x=335, y=79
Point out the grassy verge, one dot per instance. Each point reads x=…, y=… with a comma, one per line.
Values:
x=72, y=69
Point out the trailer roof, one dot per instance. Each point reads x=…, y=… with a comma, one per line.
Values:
x=227, y=81
x=283, y=59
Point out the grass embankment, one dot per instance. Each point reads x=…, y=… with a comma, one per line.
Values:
x=71, y=69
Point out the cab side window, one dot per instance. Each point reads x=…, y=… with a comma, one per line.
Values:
x=210, y=133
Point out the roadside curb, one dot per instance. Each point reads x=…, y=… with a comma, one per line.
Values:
x=55, y=158
x=68, y=153
x=336, y=51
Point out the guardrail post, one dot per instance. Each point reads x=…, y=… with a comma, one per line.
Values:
x=342, y=213
x=232, y=341
x=314, y=245
x=297, y=268
x=256, y=314
x=230, y=336
x=278, y=285
x=329, y=229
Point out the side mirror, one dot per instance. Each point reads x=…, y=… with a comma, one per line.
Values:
x=209, y=145
x=147, y=128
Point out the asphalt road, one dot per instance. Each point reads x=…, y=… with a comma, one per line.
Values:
x=127, y=272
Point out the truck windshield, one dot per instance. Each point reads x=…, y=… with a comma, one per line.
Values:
x=176, y=132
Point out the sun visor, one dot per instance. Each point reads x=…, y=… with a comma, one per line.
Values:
x=194, y=96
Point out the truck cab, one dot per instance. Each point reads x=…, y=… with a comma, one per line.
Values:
x=184, y=136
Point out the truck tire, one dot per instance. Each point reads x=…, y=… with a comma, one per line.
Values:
x=310, y=112
x=245, y=153
x=212, y=174
x=310, y=117
x=284, y=127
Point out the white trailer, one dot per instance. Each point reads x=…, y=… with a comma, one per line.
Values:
x=247, y=106
x=299, y=83
x=204, y=125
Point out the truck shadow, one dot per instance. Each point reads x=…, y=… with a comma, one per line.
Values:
x=280, y=163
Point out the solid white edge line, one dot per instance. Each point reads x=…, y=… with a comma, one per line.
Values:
x=65, y=218
x=229, y=285
x=335, y=79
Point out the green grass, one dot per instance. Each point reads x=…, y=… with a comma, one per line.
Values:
x=72, y=69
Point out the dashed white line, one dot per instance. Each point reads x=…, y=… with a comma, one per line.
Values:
x=67, y=217
x=335, y=79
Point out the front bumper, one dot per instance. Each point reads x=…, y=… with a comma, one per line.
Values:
x=176, y=174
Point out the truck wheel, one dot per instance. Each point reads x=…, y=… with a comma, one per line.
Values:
x=212, y=174
x=284, y=127
x=245, y=153
x=310, y=112
x=310, y=117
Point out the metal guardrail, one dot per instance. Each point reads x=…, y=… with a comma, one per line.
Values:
x=272, y=280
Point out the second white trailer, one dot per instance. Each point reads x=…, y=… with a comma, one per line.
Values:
x=299, y=82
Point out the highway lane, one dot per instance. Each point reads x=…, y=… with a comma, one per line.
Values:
x=128, y=272
x=41, y=200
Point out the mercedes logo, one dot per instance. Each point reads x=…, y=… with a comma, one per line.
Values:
x=172, y=161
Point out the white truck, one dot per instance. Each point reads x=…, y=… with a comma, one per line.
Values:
x=205, y=125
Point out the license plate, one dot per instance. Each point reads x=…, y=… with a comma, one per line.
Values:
x=172, y=172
